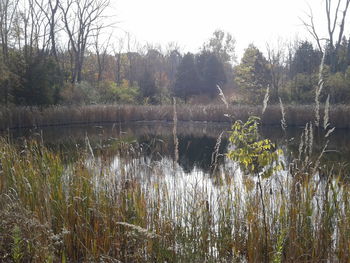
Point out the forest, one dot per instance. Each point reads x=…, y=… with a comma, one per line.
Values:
x=60, y=53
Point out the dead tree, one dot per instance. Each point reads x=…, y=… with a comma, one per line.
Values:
x=8, y=10
x=118, y=60
x=81, y=19
x=101, y=54
x=133, y=57
x=336, y=13
x=49, y=8
x=276, y=60
x=34, y=30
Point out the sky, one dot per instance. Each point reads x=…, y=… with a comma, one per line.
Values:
x=190, y=23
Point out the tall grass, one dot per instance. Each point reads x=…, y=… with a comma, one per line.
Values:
x=20, y=117
x=89, y=212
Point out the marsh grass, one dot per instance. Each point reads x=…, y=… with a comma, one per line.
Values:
x=295, y=115
x=88, y=212
x=96, y=208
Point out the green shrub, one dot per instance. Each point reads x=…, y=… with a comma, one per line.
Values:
x=124, y=93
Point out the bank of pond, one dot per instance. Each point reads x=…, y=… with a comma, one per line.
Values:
x=294, y=115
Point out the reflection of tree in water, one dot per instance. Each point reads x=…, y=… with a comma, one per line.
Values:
x=336, y=157
x=197, y=151
x=155, y=147
x=193, y=151
x=196, y=143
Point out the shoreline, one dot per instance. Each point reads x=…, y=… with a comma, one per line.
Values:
x=60, y=116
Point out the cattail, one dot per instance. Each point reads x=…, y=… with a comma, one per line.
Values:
x=326, y=114
x=301, y=145
x=222, y=96
x=318, y=160
x=318, y=92
x=266, y=99
x=306, y=139
x=283, y=120
x=311, y=138
x=88, y=145
x=176, y=140
x=215, y=155
x=329, y=132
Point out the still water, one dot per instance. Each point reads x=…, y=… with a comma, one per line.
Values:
x=196, y=142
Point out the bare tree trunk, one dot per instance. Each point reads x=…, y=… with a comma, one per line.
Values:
x=332, y=24
x=49, y=9
x=118, y=68
x=8, y=9
x=101, y=54
x=81, y=19
x=275, y=58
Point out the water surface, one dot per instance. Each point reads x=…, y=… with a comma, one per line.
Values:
x=196, y=142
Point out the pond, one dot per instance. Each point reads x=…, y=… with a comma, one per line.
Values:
x=143, y=191
x=196, y=141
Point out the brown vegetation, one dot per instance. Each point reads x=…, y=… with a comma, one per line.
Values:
x=25, y=117
x=135, y=214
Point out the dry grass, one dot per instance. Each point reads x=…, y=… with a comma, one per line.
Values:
x=62, y=115
x=88, y=213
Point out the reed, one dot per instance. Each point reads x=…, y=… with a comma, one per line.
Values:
x=295, y=115
x=88, y=212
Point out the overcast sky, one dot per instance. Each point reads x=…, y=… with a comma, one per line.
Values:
x=191, y=22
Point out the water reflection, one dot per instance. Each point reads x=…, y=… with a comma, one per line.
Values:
x=196, y=141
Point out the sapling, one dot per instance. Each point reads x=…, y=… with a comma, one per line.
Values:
x=255, y=156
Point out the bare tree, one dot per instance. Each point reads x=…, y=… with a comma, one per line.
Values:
x=118, y=60
x=173, y=59
x=49, y=8
x=8, y=9
x=101, y=54
x=276, y=58
x=34, y=30
x=81, y=19
x=336, y=13
x=132, y=56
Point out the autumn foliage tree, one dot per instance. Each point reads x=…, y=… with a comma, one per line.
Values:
x=252, y=75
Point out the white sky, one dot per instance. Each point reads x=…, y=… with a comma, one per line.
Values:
x=191, y=22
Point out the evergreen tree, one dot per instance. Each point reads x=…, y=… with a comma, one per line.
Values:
x=187, y=81
x=306, y=59
x=348, y=54
x=211, y=72
x=148, y=86
x=342, y=56
x=40, y=80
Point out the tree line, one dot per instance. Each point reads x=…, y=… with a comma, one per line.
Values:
x=58, y=52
